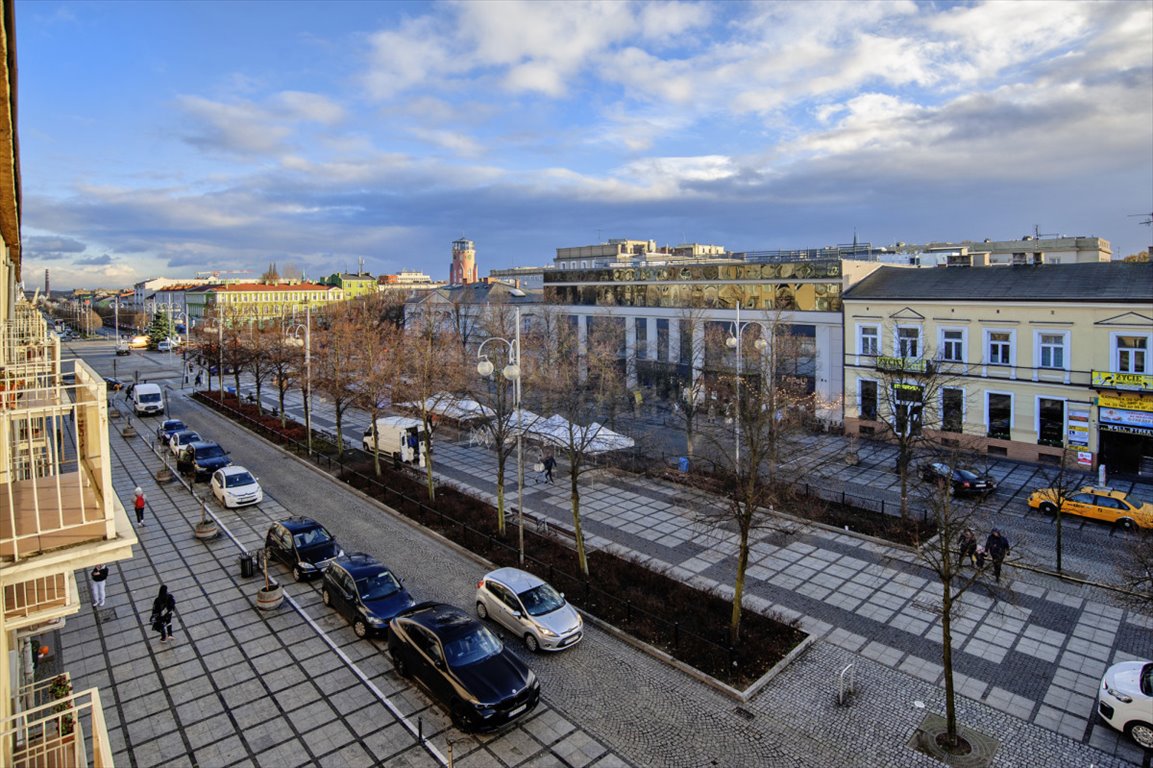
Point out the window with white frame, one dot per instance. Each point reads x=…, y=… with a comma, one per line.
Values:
x=868, y=340
x=1051, y=351
x=1000, y=345
x=908, y=342
x=952, y=409
x=868, y=399
x=953, y=345
x=1132, y=353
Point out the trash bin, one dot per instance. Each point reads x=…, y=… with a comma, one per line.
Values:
x=246, y=568
x=683, y=464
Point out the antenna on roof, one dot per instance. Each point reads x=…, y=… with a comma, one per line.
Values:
x=1147, y=216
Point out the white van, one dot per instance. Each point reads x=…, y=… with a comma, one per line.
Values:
x=399, y=437
x=147, y=399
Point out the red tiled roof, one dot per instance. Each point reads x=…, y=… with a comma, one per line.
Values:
x=246, y=287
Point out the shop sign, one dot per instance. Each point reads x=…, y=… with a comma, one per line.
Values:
x=1127, y=418
x=1125, y=400
x=1085, y=458
x=1139, y=382
x=1078, y=434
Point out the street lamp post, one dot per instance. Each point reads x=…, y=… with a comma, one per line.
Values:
x=733, y=342
x=307, y=344
x=512, y=373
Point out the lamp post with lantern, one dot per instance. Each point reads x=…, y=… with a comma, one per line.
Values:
x=294, y=339
x=734, y=342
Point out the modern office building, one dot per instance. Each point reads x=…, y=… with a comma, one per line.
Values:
x=61, y=513
x=1038, y=363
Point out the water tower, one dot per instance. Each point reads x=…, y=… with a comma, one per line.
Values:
x=463, y=269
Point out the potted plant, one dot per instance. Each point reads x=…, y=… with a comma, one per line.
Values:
x=271, y=595
x=61, y=691
x=206, y=528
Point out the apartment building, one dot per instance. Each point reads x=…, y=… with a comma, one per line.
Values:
x=60, y=514
x=1039, y=363
x=257, y=302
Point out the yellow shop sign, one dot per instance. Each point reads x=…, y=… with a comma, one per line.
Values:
x=1140, y=382
x=1129, y=401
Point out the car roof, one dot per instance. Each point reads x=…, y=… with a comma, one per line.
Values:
x=441, y=619
x=171, y=422
x=185, y=431
x=359, y=565
x=196, y=445
x=295, y=524
x=1104, y=491
x=233, y=469
x=515, y=579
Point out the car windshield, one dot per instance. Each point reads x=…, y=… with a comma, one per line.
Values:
x=310, y=537
x=1136, y=502
x=187, y=437
x=153, y=397
x=1147, y=679
x=541, y=600
x=377, y=586
x=238, y=480
x=968, y=473
x=209, y=452
x=173, y=426
x=472, y=646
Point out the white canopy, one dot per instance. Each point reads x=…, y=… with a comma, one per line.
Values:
x=596, y=438
x=450, y=406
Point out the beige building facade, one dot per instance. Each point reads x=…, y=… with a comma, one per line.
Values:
x=1038, y=363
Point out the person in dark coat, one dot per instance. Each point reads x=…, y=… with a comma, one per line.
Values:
x=997, y=546
x=549, y=466
x=967, y=547
x=163, y=608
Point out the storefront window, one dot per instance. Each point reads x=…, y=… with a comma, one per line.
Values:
x=952, y=409
x=1051, y=422
x=999, y=410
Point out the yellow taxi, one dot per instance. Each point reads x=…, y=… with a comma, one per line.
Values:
x=1096, y=502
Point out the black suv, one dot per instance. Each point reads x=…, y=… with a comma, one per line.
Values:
x=463, y=665
x=201, y=458
x=364, y=591
x=303, y=545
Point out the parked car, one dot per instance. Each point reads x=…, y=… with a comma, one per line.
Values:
x=167, y=428
x=1097, y=503
x=182, y=437
x=365, y=592
x=146, y=398
x=200, y=459
x=463, y=665
x=165, y=346
x=123, y=349
x=963, y=481
x=235, y=486
x=530, y=608
x=1126, y=700
x=302, y=544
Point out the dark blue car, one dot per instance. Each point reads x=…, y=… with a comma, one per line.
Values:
x=365, y=592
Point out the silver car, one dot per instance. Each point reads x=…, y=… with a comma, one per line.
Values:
x=530, y=608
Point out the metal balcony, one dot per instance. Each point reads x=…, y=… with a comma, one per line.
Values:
x=55, y=726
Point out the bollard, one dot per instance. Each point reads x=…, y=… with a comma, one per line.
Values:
x=247, y=570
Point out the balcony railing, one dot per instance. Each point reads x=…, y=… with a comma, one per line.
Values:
x=25, y=339
x=34, y=601
x=56, y=727
x=55, y=474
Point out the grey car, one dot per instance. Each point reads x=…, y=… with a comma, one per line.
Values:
x=530, y=608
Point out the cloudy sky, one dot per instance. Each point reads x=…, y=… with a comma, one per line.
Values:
x=163, y=138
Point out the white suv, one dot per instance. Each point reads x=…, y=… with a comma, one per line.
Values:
x=1126, y=700
x=529, y=607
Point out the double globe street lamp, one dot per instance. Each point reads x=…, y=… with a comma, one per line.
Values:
x=511, y=372
x=293, y=339
x=734, y=342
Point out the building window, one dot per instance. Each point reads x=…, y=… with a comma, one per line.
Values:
x=1132, y=354
x=1050, y=422
x=1052, y=350
x=908, y=342
x=952, y=409
x=953, y=345
x=868, y=398
x=1000, y=347
x=999, y=415
x=869, y=340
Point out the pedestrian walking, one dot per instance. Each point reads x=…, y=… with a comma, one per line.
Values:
x=199, y=378
x=99, y=577
x=549, y=466
x=968, y=547
x=138, y=504
x=997, y=546
x=163, y=609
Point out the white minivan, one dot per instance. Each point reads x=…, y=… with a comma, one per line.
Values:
x=147, y=399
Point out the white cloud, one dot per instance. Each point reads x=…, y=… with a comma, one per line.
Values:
x=311, y=107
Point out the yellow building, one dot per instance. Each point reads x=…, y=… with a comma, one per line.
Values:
x=60, y=512
x=257, y=302
x=1029, y=362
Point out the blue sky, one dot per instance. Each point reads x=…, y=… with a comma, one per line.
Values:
x=163, y=138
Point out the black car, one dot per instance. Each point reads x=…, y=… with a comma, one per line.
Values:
x=365, y=592
x=302, y=544
x=167, y=428
x=201, y=458
x=463, y=665
x=962, y=480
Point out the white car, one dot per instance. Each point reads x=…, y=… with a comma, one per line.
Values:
x=529, y=607
x=1126, y=700
x=236, y=487
x=165, y=346
x=182, y=438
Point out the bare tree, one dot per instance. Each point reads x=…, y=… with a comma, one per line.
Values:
x=377, y=367
x=284, y=361
x=688, y=388
x=1062, y=482
x=264, y=342
x=335, y=348
x=1135, y=567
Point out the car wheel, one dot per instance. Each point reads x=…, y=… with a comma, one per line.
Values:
x=326, y=598
x=297, y=574
x=399, y=665
x=481, y=610
x=531, y=642
x=1048, y=508
x=1142, y=733
x=459, y=718
x=1126, y=523
x=360, y=628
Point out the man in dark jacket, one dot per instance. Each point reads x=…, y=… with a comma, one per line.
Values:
x=997, y=546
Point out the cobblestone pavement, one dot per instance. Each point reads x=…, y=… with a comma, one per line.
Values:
x=1028, y=672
